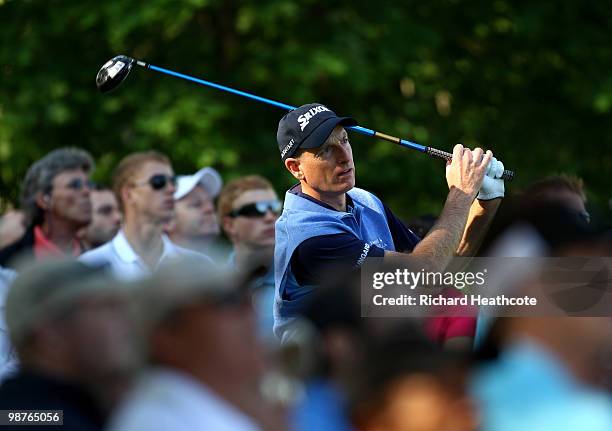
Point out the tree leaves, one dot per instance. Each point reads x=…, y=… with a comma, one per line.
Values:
x=530, y=81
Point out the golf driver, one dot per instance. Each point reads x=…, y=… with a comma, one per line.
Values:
x=114, y=72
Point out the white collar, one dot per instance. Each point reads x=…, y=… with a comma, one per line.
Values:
x=127, y=254
x=197, y=397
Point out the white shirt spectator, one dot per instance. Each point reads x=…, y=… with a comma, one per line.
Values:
x=167, y=399
x=125, y=262
x=8, y=360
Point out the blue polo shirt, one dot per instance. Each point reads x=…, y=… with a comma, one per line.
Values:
x=318, y=254
x=312, y=237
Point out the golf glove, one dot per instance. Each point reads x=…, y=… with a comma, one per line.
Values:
x=492, y=185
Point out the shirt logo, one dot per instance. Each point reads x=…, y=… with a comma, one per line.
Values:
x=304, y=119
x=364, y=254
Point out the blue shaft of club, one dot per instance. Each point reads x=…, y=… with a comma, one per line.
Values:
x=221, y=87
x=359, y=129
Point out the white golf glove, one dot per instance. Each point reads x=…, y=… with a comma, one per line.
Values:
x=492, y=185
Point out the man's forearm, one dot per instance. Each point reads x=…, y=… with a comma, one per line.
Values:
x=479, y=220
x=444, y=237
x=440, y=244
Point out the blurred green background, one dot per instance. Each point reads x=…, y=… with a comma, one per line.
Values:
x=530, y=80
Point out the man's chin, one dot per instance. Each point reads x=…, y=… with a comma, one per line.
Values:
x=165, y=217
x=205, y=237
x=265, y=245
x=81, y=222
x=208, y=231
x=346, y=187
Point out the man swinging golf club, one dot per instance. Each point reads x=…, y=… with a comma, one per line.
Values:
x=328, y=222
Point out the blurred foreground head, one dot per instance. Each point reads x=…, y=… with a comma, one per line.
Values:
x=70, y=321
x=551, y=369
x=391, y=376
x=582, y=344
x=566, y=190
x=405, y=383
x=201, y=322
x=549, y=215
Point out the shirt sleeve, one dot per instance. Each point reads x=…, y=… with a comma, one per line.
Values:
x=443, y=328
x=404, y=239
x=320, y=254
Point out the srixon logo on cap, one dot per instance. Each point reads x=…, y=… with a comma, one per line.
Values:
x=304, y=119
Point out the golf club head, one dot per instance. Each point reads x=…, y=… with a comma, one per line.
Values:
x=114, y=71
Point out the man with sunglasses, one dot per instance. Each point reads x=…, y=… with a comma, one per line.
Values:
x=328, y=223
x=248, y=210
x=56, y=203
x=144, y=184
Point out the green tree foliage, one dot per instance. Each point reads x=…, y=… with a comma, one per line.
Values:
x=530, y=80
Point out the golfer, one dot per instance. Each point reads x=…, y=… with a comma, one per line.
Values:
x=327, y=221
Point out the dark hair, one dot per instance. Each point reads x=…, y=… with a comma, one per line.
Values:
x=399, y=352
x=548, y=187
x=39, y=178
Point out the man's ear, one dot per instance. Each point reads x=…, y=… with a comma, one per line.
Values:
x=228, y=226
x=125, y=194
x=293, y=166
x=43, y=200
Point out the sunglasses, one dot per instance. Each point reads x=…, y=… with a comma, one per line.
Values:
x=159, y=181
x=79, y=184
x=258, y=209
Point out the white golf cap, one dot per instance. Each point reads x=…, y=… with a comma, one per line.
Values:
x=209, y=178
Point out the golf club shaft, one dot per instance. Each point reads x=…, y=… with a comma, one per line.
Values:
x=507, y=175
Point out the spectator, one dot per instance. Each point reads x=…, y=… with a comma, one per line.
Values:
x=551, y=369
x=541, y=371
x=145, y=185
x=330, y=341
x=347, y=360
x=69, y=325
x=195, y=225
x=405, y=384
x=248, y=208
x=8, y=361
x=11, y=227
x=327, y=222
x=205, y=362
x=105, y=220
x=56, y=204
x=548, y=215
x=565, y=190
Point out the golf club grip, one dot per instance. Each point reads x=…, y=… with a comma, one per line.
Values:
x=508, y=175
